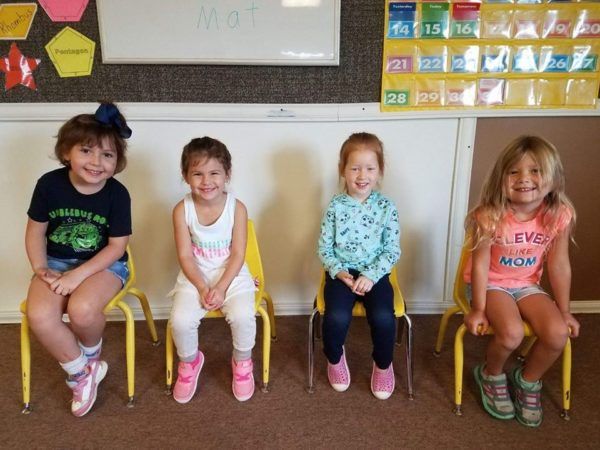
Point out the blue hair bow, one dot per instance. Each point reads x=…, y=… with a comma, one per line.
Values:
x=108, y=114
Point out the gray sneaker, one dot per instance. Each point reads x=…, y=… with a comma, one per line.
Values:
x=528, y=399
x=494, y=394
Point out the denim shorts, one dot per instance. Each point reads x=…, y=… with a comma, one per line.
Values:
x=118, y=268
x=516, y=293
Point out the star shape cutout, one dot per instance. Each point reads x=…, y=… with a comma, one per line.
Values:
x=18, y=68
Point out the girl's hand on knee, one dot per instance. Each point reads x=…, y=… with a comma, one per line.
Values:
x=47, y=275
x=67, y=283
x=362, y=285
x=572, y=323
x=476, y=322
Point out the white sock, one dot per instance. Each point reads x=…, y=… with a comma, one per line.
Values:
x=92, y=351
x=76, y=367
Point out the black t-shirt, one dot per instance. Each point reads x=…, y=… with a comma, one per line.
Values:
x=79, y=225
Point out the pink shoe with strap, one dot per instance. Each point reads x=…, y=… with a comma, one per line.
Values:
x=383, y=382
x=187, y=378
x=242, y=384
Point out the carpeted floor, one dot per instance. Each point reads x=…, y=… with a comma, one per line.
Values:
x=287, y=416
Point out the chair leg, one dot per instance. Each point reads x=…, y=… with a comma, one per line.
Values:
x=442, y=330
x=458, y=368
x=310, y=388
x=525, y=348
x=566, y=381
x=399, y=331
x=25, y=364
x=409, y=357
x=266, y=348
x=147, y=313
x=169, y=357
x=269, y=302
x=130, y=350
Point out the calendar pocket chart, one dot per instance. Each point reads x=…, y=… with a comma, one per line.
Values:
x=457, y=54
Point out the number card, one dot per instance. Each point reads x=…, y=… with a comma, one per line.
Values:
x=557, y=24
x=587, y=27
x=554, y=59
x=496, y=24
x=395, y=97
x=464, y=59
x=584, y=59
x=490, y=91
x=525, y=59
x=465, y=20
x=460, y=93
x=432, y=63
x=401, y=23
x=494, y=59
x=429, y=93
x=527, y=24
x=434, y=20
x=399, y=64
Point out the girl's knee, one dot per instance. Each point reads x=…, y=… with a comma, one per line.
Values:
x=510, y=337
x=554, y=336
x=83, y=314
x=183, y=321
x=241, y=316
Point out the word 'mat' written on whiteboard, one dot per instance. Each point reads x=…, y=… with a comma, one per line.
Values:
x=210, y=18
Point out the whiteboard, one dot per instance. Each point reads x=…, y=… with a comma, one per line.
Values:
x=255, y=32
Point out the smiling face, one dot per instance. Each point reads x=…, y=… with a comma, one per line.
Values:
x=207, y=179
x=361, y=173
x=524, y=184
x=91, y=165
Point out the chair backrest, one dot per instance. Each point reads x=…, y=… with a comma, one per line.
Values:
x=254, y=262
x=460, y=287
x=359, y=309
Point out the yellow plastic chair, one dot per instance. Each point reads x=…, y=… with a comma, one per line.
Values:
x=458, y=295
x=462, y=303
x=116, y=302
x=359, y=311
x=254, y=264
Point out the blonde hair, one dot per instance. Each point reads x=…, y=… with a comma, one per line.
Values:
x=484, y=221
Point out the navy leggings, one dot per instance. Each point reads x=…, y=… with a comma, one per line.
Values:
x=379, y=306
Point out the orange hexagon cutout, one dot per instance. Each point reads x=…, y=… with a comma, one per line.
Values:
x=16, y=19
x=71, y=53
x=64, y=10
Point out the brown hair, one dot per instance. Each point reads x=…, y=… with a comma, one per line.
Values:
x=205, y=147
x=353, y=143
x=484, y=220
x=84, y=129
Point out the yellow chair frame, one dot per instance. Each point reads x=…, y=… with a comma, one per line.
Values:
x=359, y=311
x=254, y=263
x=116, y=302
x=462, y=305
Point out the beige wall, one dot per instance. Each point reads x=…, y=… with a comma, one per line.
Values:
x=578, y=140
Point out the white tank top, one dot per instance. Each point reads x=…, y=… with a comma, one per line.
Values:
x=211, y=244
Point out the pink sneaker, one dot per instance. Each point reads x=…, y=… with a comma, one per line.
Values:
x=338, y=374
x=242, y=384
x=86, y=387
x=382, y=382
x=187, y=378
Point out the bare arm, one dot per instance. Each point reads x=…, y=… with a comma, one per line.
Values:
x=559, y=274
x=185, y=255
x=35, y=246
x=476, y=320
x=237, y=255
